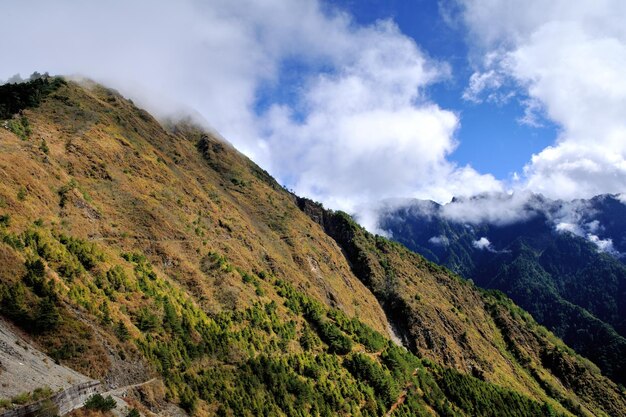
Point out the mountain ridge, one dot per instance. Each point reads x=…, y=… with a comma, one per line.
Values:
x=132, y=248
x=551, y=262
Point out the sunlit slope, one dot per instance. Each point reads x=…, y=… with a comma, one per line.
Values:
x=565, y=281
x=447, y=319
x=133, y=249
x=112, y=174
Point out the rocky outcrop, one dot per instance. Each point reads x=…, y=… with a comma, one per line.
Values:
x=63, y=401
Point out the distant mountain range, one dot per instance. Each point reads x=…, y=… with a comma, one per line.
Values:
x=562, y=261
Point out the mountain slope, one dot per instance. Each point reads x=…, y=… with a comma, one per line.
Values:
x=562, y=279
x=133, y=249
x=448, y=319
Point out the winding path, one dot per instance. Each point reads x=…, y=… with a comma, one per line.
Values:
x=401, y=397
x=120, y=391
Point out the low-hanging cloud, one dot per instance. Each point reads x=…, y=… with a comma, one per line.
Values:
x=577, y=217
x=604, y=245
x=483, y=244
x=351, y=123
x=494, y=208
x=440, y=240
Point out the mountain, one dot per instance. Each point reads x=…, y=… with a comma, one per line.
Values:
x=561, y=261
x=153, y=257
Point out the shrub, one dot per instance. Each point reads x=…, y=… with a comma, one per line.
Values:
x=21, y=399
x=64, y=191
x=47, y=316
x=309, y=340
x=188, y=400
x=41, y=393
x=36, y=268
x=13, y=240
x=14, y=304
x=121, y=331
x=146, y=321
x=171, y=321
x=43, y=147
x=336, y=340
x=98, y=402
x=133, y=413
x=87, y=253
x=364, y=368
x=5, y=220
x=117, y=278
x=20, y=126
x=47, y=409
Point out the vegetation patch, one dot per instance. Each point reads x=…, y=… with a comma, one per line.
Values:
x=19, y=96
x=19, y=126
x=100, y=403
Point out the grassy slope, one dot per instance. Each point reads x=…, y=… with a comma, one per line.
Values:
x=450, y=321
x=219, y=237
x=140, y=187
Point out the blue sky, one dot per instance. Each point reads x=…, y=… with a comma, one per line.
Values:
x=491, y=138
x=350, y=102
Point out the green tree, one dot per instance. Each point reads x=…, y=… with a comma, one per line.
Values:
x=98, y=402
x=14, y=304
x=133, y=413
x=47, y=316
x=171, y=321
x=121, y=331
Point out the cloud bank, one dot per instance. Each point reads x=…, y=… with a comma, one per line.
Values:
x=336, y=111
x=340, y=112
x=579, y=217
x=565, y=60
x=494, y=208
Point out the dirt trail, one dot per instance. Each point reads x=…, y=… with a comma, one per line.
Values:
x=119, y=394
x=399, y=401
x=401, y=397
x=122, y=390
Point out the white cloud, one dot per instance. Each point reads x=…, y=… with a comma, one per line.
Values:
x=493, y=208
x=532, y=113
x=357, y=124
x=483, y=244
x=572, y=228
x=439, y=240
x=588, y=231
x=570, y=218
x=369, y=132
x=604, y=245
x=568, y=57
x=479, y=82
x=593, y=226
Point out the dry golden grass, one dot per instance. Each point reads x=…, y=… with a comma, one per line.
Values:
x=114, y=176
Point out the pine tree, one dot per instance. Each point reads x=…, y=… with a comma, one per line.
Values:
x=47, y=317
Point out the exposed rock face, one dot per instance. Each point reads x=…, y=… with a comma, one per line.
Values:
x=24, y=368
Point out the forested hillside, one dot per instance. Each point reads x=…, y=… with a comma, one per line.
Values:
x=133, y=249
x=565, y=280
